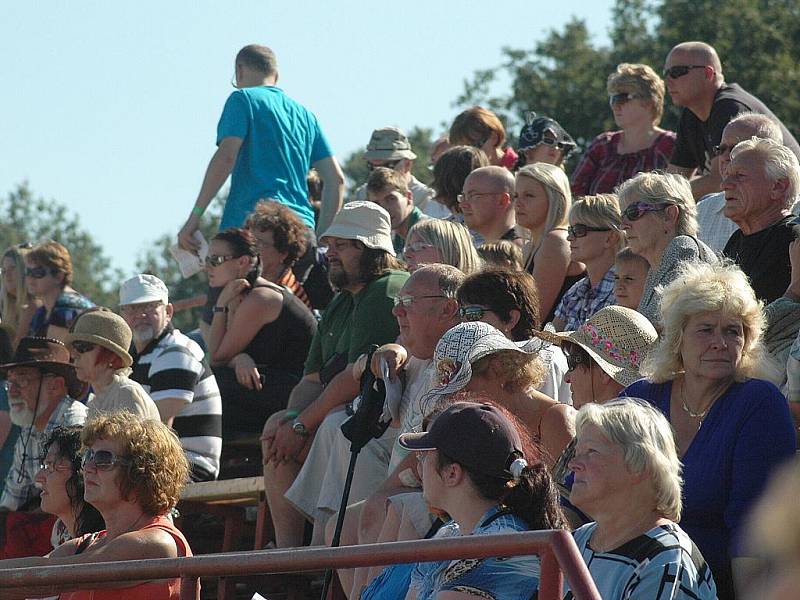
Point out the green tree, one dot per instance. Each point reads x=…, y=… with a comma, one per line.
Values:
x=420, y=138
x=27, y=218
x=159, y=262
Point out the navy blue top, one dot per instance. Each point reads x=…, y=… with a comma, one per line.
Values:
x=746, y=434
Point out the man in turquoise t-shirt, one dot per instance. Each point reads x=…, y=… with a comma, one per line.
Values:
x=267, y=142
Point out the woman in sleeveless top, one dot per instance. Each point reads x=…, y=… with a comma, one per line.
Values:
x=260, y=330
x=134, y=471
x=542, y=202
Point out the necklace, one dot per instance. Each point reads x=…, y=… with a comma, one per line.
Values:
x=695, y=415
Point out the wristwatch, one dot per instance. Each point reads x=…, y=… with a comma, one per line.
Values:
x=299, y=428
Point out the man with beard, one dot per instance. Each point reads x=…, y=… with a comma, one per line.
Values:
x=41, y=389
x=172, y=368
x=362, y=267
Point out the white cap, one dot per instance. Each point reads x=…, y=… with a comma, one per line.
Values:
x=143, y=288
x=364, y=221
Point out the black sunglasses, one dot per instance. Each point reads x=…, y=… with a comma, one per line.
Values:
x=472, y=313
x=621, y=98
x=636, y=210
x=215, y=260
x=82, y=347
x=680, y=70
x=388, y=165
x=103, y=460
x=580, y=230
x=38, y=272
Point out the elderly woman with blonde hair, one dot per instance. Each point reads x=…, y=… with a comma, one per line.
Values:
x=636, y=98
x=660, y=222
x=628, y=478
x=542, y=202
x=708, y=375
x=595, y=236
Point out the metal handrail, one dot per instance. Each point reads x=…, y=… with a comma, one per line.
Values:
x=556, y=549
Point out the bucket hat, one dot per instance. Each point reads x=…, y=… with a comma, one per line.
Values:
x=104, y=328
x=388, y=143
x=364, y=221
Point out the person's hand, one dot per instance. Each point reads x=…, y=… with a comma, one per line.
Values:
x=185, y=239
x=286, y=445
x=246, y=372
x=395, y=356
x=231, y=290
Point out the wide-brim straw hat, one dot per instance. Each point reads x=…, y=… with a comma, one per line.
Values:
x=617, y=338
x=104, y=328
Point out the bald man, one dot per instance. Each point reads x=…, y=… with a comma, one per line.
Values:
x=487, y=203
x=694, y=79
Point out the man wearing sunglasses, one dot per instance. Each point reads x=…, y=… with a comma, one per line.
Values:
x=389, y=147
x=42, y=388
x=268, y=142
x=694, y=79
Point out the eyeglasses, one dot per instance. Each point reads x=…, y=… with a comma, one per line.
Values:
x=722, y=149
x=472, y=195
x=132, y=310
x=680, y=70
x=103, y=460
x=215, y=260
x=406, y=301
x=416, y=247
x=622, y=99
x=577, y=358
x=389, y=165
x=37, y=272
x=51, y=467
x=636, y=210
x=82, y=347
x=472, y=313
x=548, y=139
x=580, y=230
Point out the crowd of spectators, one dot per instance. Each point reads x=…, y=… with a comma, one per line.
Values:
x=609, y=352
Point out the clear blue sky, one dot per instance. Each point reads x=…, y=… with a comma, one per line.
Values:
x=111, y=108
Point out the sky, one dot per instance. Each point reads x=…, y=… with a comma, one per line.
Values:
x=111, y=108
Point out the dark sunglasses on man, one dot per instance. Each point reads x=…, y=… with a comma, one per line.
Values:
x=678, y=71
x=389, y=165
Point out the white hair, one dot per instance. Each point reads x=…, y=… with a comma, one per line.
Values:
x=654, y=188
x=778, y=162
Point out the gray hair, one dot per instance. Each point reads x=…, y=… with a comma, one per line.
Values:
x=778, y=163
x=647, y=443
x=655, y=188
x=760, y=126
x=447, y=277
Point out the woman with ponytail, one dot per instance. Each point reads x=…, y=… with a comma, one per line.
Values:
x=261, y=331
x=487, y=486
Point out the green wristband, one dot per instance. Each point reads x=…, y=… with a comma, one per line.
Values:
x=196, y=210
x=292, y=414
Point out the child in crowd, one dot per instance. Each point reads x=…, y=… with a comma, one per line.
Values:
x=503, y=254
x=629, y=281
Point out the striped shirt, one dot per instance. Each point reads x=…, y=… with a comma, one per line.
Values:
x=661, y=564
x=174, y=366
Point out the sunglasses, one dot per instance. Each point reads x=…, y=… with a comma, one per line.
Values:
x=38, y=272
x=637, y=210
x=82, y=347
x=389, y=165
x=406, y=301
x=580, y=230
x=472, y=313
x=103, y=460
x=577, y=358
x=680, y=70
x=722, y=149
x=215, y=260
x=621, y=99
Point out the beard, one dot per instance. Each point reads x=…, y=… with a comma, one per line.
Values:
x=338, y=276
x=144, y=334
x=22, y=416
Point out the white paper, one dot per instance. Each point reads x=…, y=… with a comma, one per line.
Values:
x=189, y=262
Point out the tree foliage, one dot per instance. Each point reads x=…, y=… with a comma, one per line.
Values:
x=420, y=138
x=26, y=218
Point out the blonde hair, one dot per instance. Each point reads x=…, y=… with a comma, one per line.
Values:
x=452, y=240
x=559, y=196
x=518, y=371
x=601, y=210
x=655, y=188
x=647, y=443
x=642, y=81
x=11, y=306
x=157, y=469
x=701, y=287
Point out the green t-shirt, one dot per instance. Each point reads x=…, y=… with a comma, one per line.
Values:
x=352, y=323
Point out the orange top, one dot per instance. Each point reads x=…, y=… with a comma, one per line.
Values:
x=166, y=589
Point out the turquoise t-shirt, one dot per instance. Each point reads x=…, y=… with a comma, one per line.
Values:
x=281, y=140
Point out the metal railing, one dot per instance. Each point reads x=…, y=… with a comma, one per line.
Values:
x=556, y=549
